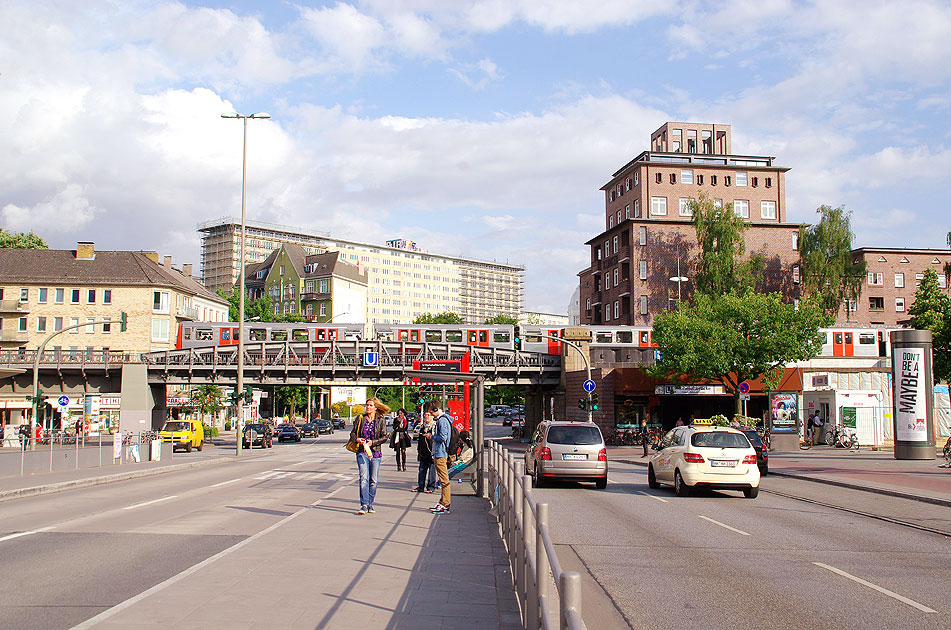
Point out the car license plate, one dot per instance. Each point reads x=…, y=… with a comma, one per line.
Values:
x=574, y=456
x=723, y=463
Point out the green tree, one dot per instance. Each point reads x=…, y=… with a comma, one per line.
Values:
x=932, y=311
x=732, y=338
x=205, y=399
x=502, y=318
x=505, y=395
x=441, y=318
x=721, y=267
x=828, y=271
x=261, y=309
x=21, y=240
x=293, y=397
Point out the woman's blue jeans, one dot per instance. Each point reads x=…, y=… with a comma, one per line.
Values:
x=369, y=468
x=421, y=479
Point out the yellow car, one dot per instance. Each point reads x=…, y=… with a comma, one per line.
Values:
x=186, y=434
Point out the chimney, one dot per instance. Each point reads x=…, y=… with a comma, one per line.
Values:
x=167, y=262
x=85, y=250
x=153, y=256
x=187, y=270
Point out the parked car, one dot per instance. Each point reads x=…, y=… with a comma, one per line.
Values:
x=762, y=456
x=339, y=423
x=700, y=456
x=288, y=432
x=309, y=429
x=567, y=450
x=184, y=434
x=324, y=426
x=257, y=434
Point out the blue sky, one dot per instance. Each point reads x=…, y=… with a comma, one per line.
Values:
x=476, y=127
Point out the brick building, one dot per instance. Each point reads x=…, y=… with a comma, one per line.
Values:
x=649, y=240
x=893, y=277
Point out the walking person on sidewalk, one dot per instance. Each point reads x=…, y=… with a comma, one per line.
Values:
x=369, y=431
x=400, y=439
x=441, y=434
x=644, y=437
x=426, y=480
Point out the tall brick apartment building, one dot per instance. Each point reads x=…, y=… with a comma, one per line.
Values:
x=634, y=261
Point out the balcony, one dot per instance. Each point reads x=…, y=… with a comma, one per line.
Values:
x=14, y=336
x=316, y=295
x=13, y=306
x=187, y=312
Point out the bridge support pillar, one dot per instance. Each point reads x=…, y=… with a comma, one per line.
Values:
x=138, y=400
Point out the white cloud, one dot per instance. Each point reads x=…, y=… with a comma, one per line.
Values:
x=67, y=211
x=350, y=37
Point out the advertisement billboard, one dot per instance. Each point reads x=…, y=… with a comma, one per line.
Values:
x=784, y=412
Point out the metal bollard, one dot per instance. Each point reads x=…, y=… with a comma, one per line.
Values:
x=542, y=567
x=570, y=597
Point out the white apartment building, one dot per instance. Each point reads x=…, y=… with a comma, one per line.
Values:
x=404, y=280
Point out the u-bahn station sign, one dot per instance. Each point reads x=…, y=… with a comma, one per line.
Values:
x=694, y=390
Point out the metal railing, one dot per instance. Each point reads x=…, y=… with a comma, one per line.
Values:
x=35, y=447
x=535, y=565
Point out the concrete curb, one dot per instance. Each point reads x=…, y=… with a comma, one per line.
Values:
x=7, y=495
x=836, y=482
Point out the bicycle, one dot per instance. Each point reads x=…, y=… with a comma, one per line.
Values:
x=947, y=453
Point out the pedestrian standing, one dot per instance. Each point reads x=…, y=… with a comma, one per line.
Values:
x=400, y=439
x=426, y=480
x=816, y=426
x=644, y=437
x=369, y=431
x=441, y=434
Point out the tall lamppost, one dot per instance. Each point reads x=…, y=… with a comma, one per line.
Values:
x=244, y=186
x=678, y=278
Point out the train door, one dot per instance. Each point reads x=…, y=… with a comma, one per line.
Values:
x=882, y=344
x=838, y=344
x=224, y=338
x=234, y=336
x=405, y=334
x=478, y=338
x=643, y=338
x=554, y=344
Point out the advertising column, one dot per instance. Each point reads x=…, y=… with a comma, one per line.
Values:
x=913, y=394
x=91, y=407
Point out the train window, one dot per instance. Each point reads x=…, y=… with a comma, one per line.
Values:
x=867, y=339
x=838, y=338
x=848, y=338
x=321, y=334
x=225, y=334
x=483, y=336
x=533, y=337
x=186, y=333
x=472, y=336
x=403, y=335
x=258, y=334
x=278, y=335
x=625, y=336
x=299, y=334
x=385, y=336
x=332, y=333
x=604, y=337
x=645, y=337
x=453, y=336
x=434, y=336
x=204, y=334
x=501, y=336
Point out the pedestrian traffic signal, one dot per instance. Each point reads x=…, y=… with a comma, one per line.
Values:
x=421, y=400
x=517, y=339
x=594, y=402
x=583, y=404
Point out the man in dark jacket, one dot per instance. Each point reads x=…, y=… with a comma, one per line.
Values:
x=424, y=454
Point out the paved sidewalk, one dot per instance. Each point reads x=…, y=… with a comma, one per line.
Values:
x=325, y=567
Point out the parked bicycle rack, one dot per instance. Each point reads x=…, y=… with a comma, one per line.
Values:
x=535, y=566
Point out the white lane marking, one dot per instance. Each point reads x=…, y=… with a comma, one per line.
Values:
x=724, y=526
x=92, y=621
x=314, y=475
x=224, y=483
x=662, y=500
x=874, y=587
x=268, y=474
x=32, y=531
x=138, y=505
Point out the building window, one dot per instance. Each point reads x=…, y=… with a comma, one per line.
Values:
x=74, y=296
x=659, y=177
x=875, y=278
x=876, y=304
x=685, y=207
x=643, y=269
x=59, y=296
x=635, y=178
x=160, y=301
x=615, y=276
x=610, y=221
x=637, y=209
x=159, y=329
x=24, y=295
x=627, y=184
x=627, y=211
x=700, y=180
x=642, y=235
x=741, y=179
x=74, y=323
x=795, y=274
x=718, y=204
x=900, y=305
x=90, y=327
x=899, y=280
x=769, y=182
x=323, y=286
x=643, y=305
x=281, y=270
x=726, y=180
x=918, y=278
x=713, y=180
x=754, y=182
x=673, y=178
x=323, y=310
x=22, y=324
x=742, y=208
x=619, y=217
x=42, y=295
x=686, y=176
x=614, y=242
x=57, y=323
x=587, y=304
x=616, y=309
x=675, y=146
x=107, y=325
x=91, y=296
x=795, y=240
x=767, y=209
x=659, y=206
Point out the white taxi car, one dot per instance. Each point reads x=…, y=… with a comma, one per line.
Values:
x=700, y=456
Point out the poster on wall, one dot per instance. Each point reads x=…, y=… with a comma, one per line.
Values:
x=91, y=406
x=784, y=412
x=911, y=412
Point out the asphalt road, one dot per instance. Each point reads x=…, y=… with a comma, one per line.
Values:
x=68, y=556
x=828, y=558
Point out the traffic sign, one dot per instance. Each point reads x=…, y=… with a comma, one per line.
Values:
x=63, y=401
x=589, y=386
x=744, y=388
x=371, y=359
x=744, y=396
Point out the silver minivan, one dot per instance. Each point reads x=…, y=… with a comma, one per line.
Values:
x=567, y=450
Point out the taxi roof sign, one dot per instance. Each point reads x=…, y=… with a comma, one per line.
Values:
x=702, y=421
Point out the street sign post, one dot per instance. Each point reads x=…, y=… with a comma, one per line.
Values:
x=63, y=401
x=745, y=388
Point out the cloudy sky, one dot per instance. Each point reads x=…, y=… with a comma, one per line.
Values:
x=482, y=128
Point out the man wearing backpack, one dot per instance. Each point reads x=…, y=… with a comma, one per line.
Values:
x=442, y=435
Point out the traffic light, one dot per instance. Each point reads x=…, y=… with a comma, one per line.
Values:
x=248, y=397
x=594, y=402
x=517, y=339
x=36, y=399
x=421, y=400
x=583, y=404
x=123, y=322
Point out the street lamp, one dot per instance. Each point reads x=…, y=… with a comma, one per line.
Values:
x=679, y=278
x=244, y=187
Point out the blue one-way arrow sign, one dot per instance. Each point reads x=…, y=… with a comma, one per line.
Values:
x=371, y=359
x=589, y=386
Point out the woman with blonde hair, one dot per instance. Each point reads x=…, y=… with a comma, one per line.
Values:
x=369, y=431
